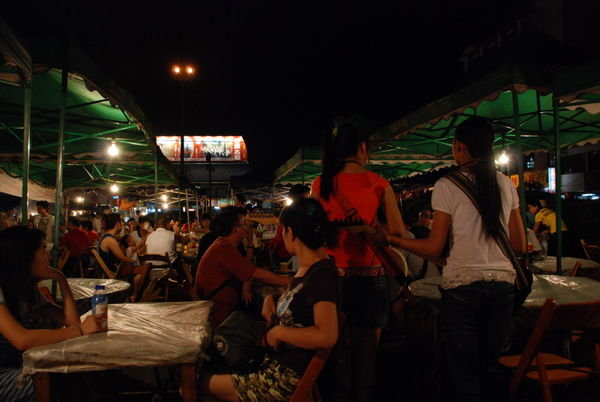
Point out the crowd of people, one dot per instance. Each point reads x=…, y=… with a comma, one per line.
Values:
x=337, y=272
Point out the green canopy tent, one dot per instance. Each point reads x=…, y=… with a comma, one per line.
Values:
x=522, y=112
x=57, y=134
x=305, y=165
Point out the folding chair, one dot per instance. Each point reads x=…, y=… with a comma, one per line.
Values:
x=159, y=280
x=107, y=272
x=546, y=368
x=307, y=386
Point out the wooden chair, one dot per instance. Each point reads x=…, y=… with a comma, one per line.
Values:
x=546, y=368
x=158, y=284
x=592, y=252
x=107, y=272
x=307, y=386
x=575, y=270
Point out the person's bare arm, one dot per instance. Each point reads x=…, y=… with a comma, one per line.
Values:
x=395, y=223
x=516, y=231
x=322, y=335
x=269, y=277
x=114, y=248
x=432, y=245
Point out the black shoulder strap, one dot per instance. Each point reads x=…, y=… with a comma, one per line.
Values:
x=219, y=288
x=467, y=187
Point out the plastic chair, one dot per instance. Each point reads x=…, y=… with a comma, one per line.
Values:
x=546, y=368
x=307, y=386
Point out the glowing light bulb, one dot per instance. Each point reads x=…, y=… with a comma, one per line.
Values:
x=113, y=150
x=288, y=201
x=79, y=199
x=503, y=159
x=164, y=197
x=165, y=206
x=176, y=69
x=114, y=188
x=189, y=70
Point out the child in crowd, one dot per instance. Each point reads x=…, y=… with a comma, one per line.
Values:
x=129, y=248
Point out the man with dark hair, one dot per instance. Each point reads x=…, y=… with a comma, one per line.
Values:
x=77, y=242
x=45, y=222
x=276, y=245
x=161, y=240
x=93, y=236
x=115, y=259
x=222, y=269
x=423, y=227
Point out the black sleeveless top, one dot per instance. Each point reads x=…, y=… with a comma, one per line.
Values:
x=109, y=259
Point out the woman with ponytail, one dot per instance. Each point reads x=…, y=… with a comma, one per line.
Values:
x=477, y=280
x=348, y=191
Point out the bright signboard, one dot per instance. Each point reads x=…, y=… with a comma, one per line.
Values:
x=221, y=148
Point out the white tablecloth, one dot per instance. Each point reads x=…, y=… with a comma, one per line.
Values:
x=83, y=288
x=139, y=334
x=563, y=289
x=549, y=264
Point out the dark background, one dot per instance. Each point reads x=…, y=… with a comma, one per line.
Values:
x=278, y=72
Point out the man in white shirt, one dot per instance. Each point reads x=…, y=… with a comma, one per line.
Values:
x=45, y=222
x=161, y=241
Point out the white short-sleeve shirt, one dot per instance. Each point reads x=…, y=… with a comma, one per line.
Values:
x=473, y=255
x=161, y=241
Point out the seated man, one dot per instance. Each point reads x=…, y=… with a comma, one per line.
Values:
x=113, y=256
x=77, y=242
x=222, y=269
x=161, y=240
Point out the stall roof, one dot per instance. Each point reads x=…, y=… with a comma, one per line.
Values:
x=98, y=112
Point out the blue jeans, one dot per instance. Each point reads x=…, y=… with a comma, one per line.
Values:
x=475, y=320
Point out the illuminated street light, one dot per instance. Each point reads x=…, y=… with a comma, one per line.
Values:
x=288, y=201
x=176, y=69
x=165, y=206
x=79, y=199
x=114, y=188
x=164, y=198
x=503, y=159
x=113, y=150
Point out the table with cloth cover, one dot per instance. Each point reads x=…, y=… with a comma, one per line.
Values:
x=563, y=289
x=589, y=268
x=139, y=335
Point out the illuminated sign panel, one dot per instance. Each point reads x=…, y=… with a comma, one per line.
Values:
x=221, y=148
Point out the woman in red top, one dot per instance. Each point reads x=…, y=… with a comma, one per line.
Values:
x=346, y=189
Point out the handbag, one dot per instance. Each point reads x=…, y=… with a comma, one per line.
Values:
x=524, y=278
x=238, y=343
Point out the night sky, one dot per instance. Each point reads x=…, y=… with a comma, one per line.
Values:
x=277, y=72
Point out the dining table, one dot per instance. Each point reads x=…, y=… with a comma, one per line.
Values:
x=83, y=290
x=588, y=268
x=139, y=335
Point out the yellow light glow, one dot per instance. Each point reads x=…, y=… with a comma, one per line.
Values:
x=288, y=201
x=79, y=199
x=176, y=69
x=164, y=197
x=189, y=69
x=165, y=206
x=113, y=150
x=114, y=188
x=503, y=159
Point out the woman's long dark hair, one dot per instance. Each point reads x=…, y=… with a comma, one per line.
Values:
x=309, y=223
x=342, y=142
x=478, y=136
x=18, y=246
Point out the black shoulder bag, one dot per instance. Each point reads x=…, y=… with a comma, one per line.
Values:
x=524, y=279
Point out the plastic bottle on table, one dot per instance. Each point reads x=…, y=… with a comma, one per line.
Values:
x=100, y=306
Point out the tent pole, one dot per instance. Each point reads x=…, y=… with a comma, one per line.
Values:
x=558, y=188
x=517, y=120
x=26, y=149
x=197, y=208
x=156, y=151
x=58, y=198
x=187, y=207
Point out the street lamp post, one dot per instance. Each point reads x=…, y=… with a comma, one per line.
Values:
x=182, y=72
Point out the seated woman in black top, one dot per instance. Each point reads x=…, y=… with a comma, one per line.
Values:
x=306, y=314
x=110, y=251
